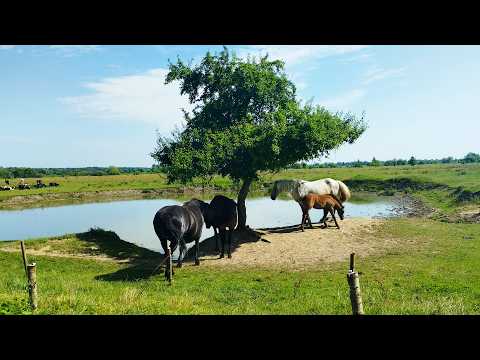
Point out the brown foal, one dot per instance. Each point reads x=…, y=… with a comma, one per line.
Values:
x=326, y=202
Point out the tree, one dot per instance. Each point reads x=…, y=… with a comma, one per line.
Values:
x=246, y=119
x=375, y=162
x=357, y=164
x=412, y=161
x=112, y=170
x=471, y=158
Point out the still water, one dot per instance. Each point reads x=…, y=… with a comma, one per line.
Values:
x=132, y=219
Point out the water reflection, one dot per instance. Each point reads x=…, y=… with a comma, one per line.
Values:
x=132, y=220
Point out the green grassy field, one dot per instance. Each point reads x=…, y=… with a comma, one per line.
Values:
x=439, y=277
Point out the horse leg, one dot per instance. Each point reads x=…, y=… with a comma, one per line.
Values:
x=332, y=211
x=325, y=213
x=164, y=244
x=173, y=247
x=169, y=266
x=324, y=218
x=197, y=245
x=229, y=243
x=303, y=215
x=183, y=248
x=222, y=237
x=217, y=247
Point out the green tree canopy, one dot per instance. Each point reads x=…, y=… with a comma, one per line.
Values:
x=375, y=162
x=412, y=161
x=471, y=158
x=246, y=119
x=113, y=170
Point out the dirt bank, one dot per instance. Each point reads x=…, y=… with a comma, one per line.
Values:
x=68, y=198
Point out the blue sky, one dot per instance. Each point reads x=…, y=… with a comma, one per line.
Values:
x=73, y=106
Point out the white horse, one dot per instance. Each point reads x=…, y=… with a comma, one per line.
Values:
x=298, y=189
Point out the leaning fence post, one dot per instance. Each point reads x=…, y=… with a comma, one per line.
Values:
x=169, y=254
x=24, y=256
x=32, y=285
x=354, y=283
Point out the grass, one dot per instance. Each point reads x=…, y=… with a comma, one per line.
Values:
x=452, y=175
x=436, y=274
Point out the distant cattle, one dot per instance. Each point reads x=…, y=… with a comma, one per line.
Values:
x=40, y=184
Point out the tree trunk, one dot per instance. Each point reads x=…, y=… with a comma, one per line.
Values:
x=242, y=210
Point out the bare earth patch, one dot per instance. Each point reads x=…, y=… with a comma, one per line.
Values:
x=289, y=247
x=48, y=251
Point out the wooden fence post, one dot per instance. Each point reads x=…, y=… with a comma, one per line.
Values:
x=32, y=285
x=169, y=254
x=354, y=283
x=24, y=256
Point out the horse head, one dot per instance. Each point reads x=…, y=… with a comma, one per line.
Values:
x=202, y=206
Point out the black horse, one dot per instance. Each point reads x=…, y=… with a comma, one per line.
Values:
x=181, y=225
x=222, y=213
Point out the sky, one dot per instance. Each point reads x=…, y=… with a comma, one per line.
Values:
x=93, y=105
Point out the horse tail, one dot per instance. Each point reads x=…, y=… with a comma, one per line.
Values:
x=344, y=191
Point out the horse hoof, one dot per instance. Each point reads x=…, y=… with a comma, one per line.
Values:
x=197, y=262
x=229, y=256
x=221, y=256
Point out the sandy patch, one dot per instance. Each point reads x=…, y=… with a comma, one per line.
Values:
x=290, y=247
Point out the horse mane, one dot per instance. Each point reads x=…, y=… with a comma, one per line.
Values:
x=285, y=186
x=344, y=191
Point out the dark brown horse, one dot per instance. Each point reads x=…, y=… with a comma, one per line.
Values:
x=328, y=203
x=222, y=213
x=180, y=225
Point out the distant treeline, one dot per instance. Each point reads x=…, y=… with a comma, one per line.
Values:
x=469, y=158
x=24, y=172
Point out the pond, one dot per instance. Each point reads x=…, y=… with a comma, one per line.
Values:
x=132, y=219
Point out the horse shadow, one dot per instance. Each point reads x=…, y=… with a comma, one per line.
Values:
x=136, y=271
x=292, y=228
x=142, y=264
x=207, y=246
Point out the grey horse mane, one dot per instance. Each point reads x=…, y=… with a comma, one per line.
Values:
x=286, y=185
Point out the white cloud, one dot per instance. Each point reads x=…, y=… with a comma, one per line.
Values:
x=375, y=74
x=344, y=100
x=143, y=97
x=7, y=47
x=300, y=60
x=72, y=50
x=299, y=54
x=359, y=58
